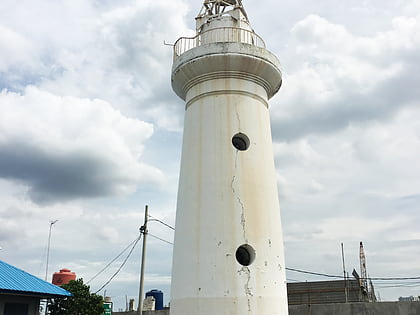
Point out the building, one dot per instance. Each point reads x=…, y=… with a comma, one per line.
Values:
x=408, y=299
x=228, y=254
x=21, y=292
x=325, y=292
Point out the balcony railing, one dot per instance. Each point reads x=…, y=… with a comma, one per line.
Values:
x=217, y=35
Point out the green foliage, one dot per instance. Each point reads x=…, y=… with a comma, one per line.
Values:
x=81, y=303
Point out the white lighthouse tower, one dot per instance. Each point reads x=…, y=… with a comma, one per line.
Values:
x=228, y=255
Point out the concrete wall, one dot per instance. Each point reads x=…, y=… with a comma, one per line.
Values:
x=324, y=292
x=380, y=308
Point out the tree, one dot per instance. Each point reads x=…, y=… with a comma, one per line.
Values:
x=81, y=303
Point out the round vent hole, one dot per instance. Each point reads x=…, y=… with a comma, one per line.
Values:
x=240, y=141
x=245, y=255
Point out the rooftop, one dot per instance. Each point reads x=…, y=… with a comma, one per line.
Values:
x=16, y=281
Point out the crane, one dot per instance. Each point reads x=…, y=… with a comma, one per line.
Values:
x=363, y=272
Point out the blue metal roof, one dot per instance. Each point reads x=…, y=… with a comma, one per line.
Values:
x=17, y=281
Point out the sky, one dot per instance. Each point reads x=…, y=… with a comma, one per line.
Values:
x=91, y=132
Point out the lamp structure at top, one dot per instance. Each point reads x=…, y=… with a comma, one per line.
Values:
x=228, y=254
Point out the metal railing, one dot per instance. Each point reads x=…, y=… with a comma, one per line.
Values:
x=218, y=35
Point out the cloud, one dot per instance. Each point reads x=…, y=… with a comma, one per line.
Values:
x=97, y=50
x=16, y=53
x=66, y=148
x=10, y=229
x=87, y=114
x=122, y=59
x=367, y=180
x=345, y=79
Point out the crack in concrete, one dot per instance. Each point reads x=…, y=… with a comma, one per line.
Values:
x=244, y=270
x=232, y=185
x=238, y=198
x=247, y=288
x=242, y=218
x=234, y=173
x=237, y=117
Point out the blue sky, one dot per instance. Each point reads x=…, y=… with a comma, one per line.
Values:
x=90, y=132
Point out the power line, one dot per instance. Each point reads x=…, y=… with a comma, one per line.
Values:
x=122, y=265
x=133, y=244
x=407, y=285
x=320, y=274
x=341, y=277
x=298, y=270
x=160, y=221
x=123, y=251
x=394, y=279
x=161, y=239
x=314, y=273
x=289, y=269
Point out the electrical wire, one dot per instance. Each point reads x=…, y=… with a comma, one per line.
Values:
x=133, y=244
x=122, y=265
x=160, y=221
x=395, y=279
x=341, y=277
x=314, y=273
x=408, y=284
x=298, y=270
x=109, y=264
x=161, y=239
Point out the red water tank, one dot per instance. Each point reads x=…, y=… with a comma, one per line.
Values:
x=63, y=277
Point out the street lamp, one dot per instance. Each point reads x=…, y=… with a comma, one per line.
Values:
x=48, y=248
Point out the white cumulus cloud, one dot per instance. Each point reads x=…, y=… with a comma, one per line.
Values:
x=67, y=147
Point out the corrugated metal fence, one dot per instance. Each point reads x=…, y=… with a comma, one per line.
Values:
x=324, y=292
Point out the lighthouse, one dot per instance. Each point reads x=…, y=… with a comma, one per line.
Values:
x=228, y=255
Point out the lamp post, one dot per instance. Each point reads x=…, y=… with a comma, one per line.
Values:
x=48, y=248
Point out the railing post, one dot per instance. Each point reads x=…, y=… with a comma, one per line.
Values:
x=230, y=34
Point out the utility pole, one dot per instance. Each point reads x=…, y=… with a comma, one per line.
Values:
x=143, y=230
x=344, y=272
x=48, y=248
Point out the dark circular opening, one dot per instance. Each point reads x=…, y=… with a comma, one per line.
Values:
x=240, y=141
x=245, y=255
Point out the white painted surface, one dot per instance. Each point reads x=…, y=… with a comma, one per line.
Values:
x=227, y=197
x=149, y=303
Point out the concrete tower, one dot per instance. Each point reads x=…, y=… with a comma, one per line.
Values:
x=228, y=255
